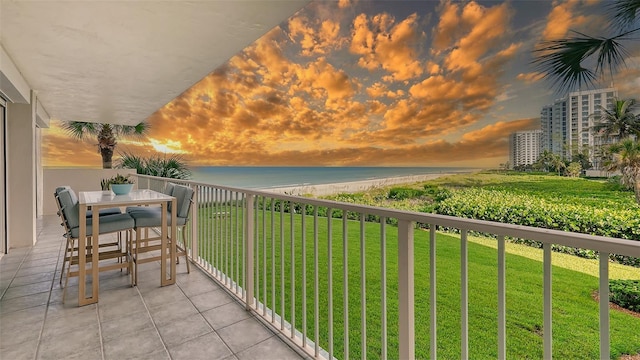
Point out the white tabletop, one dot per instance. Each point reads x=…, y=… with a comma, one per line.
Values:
x=133, y=197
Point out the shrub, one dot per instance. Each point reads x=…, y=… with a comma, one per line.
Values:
x=625, y=293
x=404, y=193
x=522, y=209
x=172, y=166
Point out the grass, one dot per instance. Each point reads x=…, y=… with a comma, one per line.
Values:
x=575, y=313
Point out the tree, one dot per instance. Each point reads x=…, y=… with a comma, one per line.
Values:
x=581, y=59
x=549, y=161
x=173, y=166
x=619, y=121
x=625, y=157
x=574, y=169
x=106, y=134
x=582, y=158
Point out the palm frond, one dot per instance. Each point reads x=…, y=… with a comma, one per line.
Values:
x=135, y=131
x=562, y=60
x=81, y=129
x=623, y=13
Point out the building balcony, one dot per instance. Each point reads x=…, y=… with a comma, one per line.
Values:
x=193, y=319
x=277, y=276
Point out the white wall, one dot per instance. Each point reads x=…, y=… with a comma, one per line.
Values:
x=78, y=179
x=21, y=175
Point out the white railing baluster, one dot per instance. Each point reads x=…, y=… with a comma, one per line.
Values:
x=293, y=271
x=245, y=221
x=195, y=255
x=605, y=352
x=264, y=257
x=248, y=246
x=464, y=295
x=406, y=308
x=257, y=252
x=383, y=284
x=304, y=277
x=237, y=242
x=316, y=291
x=273, y=261
x=282, y=297
x=210, y=237
x=363, y=291
x=502, y=302
x=547, y=328
x=227, y=236
x=345, y=283
x=433, y=294
x=330, y=277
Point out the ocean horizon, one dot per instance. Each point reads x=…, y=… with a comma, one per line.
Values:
x=266, y=177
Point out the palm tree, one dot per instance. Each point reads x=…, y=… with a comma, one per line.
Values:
x=625, y=157
x=566, y=61
x=107, y=135
x=619, y=121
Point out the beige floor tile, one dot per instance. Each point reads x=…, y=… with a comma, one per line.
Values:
x=226, y=315
x=208, y=346
x=210, y=300
x=270, y=349
x=244, y=334
x=181, y=330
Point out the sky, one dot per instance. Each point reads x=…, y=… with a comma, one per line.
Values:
x=368, y=83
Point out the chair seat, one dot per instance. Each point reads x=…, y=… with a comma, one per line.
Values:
x=147, y=216
x=108, y=224
x=105, y=212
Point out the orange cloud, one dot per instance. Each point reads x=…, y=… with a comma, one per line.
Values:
x=314, y=41
x=382, y=43
x=531, y=77
x=562, y=18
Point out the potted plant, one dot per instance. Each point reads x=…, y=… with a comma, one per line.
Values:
x=119, y=184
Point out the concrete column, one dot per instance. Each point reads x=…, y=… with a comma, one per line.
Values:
x=21, y=174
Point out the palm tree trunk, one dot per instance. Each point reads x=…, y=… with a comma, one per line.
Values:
x=107, y=155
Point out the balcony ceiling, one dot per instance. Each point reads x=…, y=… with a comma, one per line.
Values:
x=120, y=61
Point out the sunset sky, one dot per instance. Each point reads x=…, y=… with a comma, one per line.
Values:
x=368, y=83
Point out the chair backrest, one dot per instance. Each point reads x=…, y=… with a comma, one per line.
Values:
x=69, y=207
x=184, y=197
x=61, y=188
x=63, y=218
x=168, y=189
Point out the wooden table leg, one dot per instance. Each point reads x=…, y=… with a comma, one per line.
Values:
x=163, y=245
x=82, y=260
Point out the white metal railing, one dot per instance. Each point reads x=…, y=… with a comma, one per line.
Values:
x=258, y=245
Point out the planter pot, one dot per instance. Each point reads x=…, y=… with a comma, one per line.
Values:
x=121, y=189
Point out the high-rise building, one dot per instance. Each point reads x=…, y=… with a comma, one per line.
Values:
x=524, y=147
x=567, y=123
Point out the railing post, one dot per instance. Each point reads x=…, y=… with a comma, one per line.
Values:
x=604, y=305
x=406, y=290
x=194, y=224
x=248, y=249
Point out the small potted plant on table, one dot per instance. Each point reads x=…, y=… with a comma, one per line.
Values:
x=119, y=184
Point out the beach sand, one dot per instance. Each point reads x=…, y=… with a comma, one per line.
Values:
x=353, y=186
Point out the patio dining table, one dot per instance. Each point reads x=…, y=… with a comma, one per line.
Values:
x=96, y=200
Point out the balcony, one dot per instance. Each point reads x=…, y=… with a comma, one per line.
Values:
x=194, y=319
x=275, y=266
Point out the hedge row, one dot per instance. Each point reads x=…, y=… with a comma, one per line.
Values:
x=522, y=209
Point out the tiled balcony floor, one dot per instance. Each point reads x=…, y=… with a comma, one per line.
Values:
x=194, y=319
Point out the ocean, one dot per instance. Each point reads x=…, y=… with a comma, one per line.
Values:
x=262, y=177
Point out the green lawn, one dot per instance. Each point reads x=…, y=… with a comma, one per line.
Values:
x=575, y=316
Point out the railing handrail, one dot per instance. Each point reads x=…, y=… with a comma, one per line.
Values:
x=593, y=242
